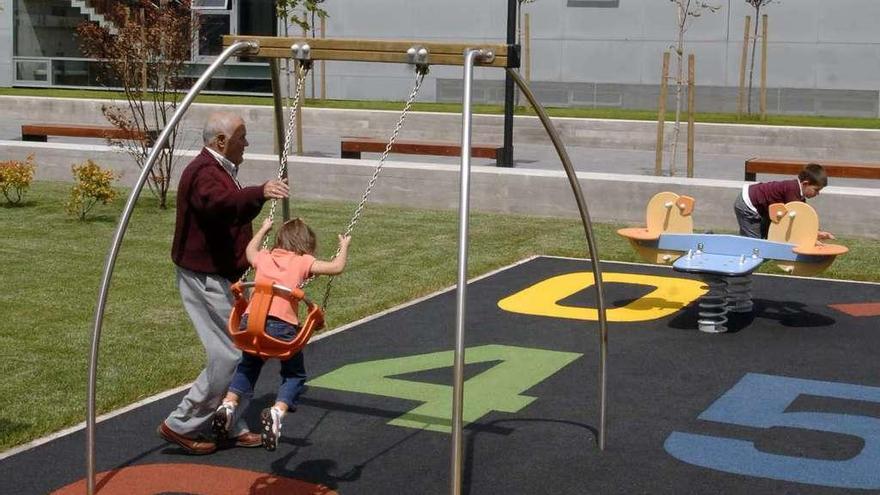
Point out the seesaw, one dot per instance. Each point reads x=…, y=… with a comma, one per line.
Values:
x=725, y=262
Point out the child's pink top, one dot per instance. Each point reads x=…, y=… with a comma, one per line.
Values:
x=285, y=268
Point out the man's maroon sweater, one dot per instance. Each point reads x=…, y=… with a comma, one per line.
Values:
x=213, y=219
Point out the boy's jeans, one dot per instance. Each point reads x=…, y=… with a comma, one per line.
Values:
x=750, y=223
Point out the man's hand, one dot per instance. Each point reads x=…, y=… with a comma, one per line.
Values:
x=825, y=235
x=276, y=189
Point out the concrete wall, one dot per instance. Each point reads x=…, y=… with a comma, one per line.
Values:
x=6, y=75
x=611, y=197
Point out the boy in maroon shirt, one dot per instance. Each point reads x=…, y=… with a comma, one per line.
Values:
x=751, y=207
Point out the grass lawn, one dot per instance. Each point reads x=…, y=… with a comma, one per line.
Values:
x=51, y=266
x=596, y=113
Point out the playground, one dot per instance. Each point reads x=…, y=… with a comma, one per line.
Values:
x=694, y=371
x=780, y=404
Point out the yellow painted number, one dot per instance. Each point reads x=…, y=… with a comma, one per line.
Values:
x=670, y=294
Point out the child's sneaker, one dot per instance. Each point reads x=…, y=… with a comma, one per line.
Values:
x=270, y=419
x=222, y=422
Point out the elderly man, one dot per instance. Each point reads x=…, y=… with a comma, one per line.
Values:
x=214, y=214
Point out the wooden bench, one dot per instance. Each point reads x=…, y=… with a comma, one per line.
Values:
x=352, y=147
x=40, y=132
x=755, y=166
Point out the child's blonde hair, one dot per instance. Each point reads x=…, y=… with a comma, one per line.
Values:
x=295, y=236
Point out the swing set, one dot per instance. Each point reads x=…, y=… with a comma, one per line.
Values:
x=253, y=339
x=303, y=52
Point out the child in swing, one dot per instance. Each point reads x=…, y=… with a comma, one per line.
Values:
x=290, y=261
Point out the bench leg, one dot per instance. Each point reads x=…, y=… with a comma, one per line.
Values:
x=34, y=137
x=350, y=154
x=750, y=177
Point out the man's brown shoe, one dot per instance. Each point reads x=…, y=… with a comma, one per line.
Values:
x=191, y=446
x=248, y=439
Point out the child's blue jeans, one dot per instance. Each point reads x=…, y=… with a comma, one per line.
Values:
x=293, y=370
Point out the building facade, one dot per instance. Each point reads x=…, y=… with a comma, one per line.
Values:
x=823, y=57
x=41, y=48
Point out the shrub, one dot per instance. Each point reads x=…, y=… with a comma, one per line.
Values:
x=16, y=177
x=91, y=185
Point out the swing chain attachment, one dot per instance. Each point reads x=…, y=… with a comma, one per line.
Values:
x=418, y=55
x=302, y=52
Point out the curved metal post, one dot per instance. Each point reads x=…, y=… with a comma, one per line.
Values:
x=464, y=206
x=158, y=147
x=591, y=244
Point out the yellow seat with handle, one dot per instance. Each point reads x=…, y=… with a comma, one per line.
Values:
x=797, y=223
x=667, y=212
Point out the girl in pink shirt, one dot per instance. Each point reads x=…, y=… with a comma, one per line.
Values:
x=288, y=263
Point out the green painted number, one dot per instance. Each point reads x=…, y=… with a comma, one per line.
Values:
x=498, y=388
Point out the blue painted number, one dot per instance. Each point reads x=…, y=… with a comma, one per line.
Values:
x=760, y=401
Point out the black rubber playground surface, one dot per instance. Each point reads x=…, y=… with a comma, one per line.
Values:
x=788, y=402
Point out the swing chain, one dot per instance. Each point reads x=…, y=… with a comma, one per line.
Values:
x=420, y=76
x=288, y=139
x=421, y=72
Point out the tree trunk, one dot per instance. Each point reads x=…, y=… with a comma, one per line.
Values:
x=752, y=63
x=679, y=78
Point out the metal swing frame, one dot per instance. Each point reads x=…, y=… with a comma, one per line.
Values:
x=468, y=55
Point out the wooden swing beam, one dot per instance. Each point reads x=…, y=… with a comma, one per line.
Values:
x=391, y=51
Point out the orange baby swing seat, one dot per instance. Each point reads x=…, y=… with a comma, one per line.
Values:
x=253, y=339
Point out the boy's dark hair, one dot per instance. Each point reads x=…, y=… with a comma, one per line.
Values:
x=814, y=174
x=295, y=236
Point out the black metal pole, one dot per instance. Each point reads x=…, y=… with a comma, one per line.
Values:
x=507, y=158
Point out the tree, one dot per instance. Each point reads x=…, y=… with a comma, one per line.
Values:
x=519, y=20
x=305, y=17
x=146, y=59
x=687, y=10
x=520, y=27
x=757, y=5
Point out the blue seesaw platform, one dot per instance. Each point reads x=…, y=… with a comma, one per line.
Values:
x=728, y=255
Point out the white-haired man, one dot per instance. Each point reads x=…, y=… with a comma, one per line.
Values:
x=214, y=214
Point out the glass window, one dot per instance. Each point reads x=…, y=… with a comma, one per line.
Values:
x=32, y=70
x=46, y=28
x=210, y=4
x=211, y=30
x=73, y=73
x=234, y=78
x=257, y=17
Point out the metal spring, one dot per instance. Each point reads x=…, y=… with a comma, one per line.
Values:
x=713, y=305
x=739, y=294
